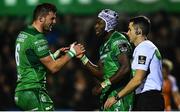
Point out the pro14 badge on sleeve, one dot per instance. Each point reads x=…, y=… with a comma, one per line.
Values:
x=123, y=47
x=141, y=59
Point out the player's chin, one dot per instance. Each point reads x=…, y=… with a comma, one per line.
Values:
x=47, y=30
x=50, y=28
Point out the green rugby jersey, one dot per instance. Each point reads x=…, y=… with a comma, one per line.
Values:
x=109, y=52
x=31, y=45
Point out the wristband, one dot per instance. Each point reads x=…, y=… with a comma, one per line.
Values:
x=117, y=98
x=71, y=54
x=106, y=83
x=72, y=50
x=56, y=54
x=51, y=55
x=84, y=59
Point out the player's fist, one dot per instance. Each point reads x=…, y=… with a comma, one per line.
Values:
x=80, y=56
x=76, y=49
x=79, y=49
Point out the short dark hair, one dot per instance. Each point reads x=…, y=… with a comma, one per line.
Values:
x=143, y=23
x=43, y=9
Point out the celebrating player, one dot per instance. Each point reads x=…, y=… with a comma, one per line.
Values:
x=113, y=68
x=33, y=58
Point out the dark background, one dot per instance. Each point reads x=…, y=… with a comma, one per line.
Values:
x=71, y=87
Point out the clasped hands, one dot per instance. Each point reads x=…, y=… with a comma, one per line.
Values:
x=75, y=49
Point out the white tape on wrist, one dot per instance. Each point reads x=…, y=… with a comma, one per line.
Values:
x=72, y=49
x=56, y=54
x=51, y=55
x=71, y=54
x=84, y=60
x=105, y=83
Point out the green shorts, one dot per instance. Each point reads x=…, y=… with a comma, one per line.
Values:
x=33, y=99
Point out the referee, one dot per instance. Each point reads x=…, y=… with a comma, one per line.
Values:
x=147, y=70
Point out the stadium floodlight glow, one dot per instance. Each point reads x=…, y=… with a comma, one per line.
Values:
x=65, y=2
x=32, y=2
x=10, y=2
x=109, y=1
x=147, y=1
x=175, y=0
x=84, y=1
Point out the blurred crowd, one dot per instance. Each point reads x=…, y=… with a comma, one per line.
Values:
x=71, y=87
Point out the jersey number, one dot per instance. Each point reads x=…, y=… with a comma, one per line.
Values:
x=17, y=54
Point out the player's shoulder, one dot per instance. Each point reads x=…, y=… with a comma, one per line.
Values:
x=118, y=35
x=118, y=38
x=30, y=30
x=147, y=45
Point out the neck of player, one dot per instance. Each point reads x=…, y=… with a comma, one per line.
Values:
x=37, y=26
x=108, y=35
x=139, y=39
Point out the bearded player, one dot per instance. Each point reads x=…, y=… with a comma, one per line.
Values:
x=33, y=59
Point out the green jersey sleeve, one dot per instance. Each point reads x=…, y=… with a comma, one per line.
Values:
x=40, y=46
x=121, y=46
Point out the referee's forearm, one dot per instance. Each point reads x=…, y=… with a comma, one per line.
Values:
x=131, y=86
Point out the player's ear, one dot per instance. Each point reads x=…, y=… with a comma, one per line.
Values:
x=41, y=19
x=138, y=31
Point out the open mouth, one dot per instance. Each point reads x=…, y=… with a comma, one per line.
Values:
x=50, y=27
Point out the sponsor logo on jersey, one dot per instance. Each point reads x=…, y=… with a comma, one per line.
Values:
x=21, y=37
x=141, y=59
x=42, y=41
x=123, y=47
x=118, y=42
x=42, y=48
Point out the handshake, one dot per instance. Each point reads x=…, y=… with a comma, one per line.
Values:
x=73, y=50
x=76, y=50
